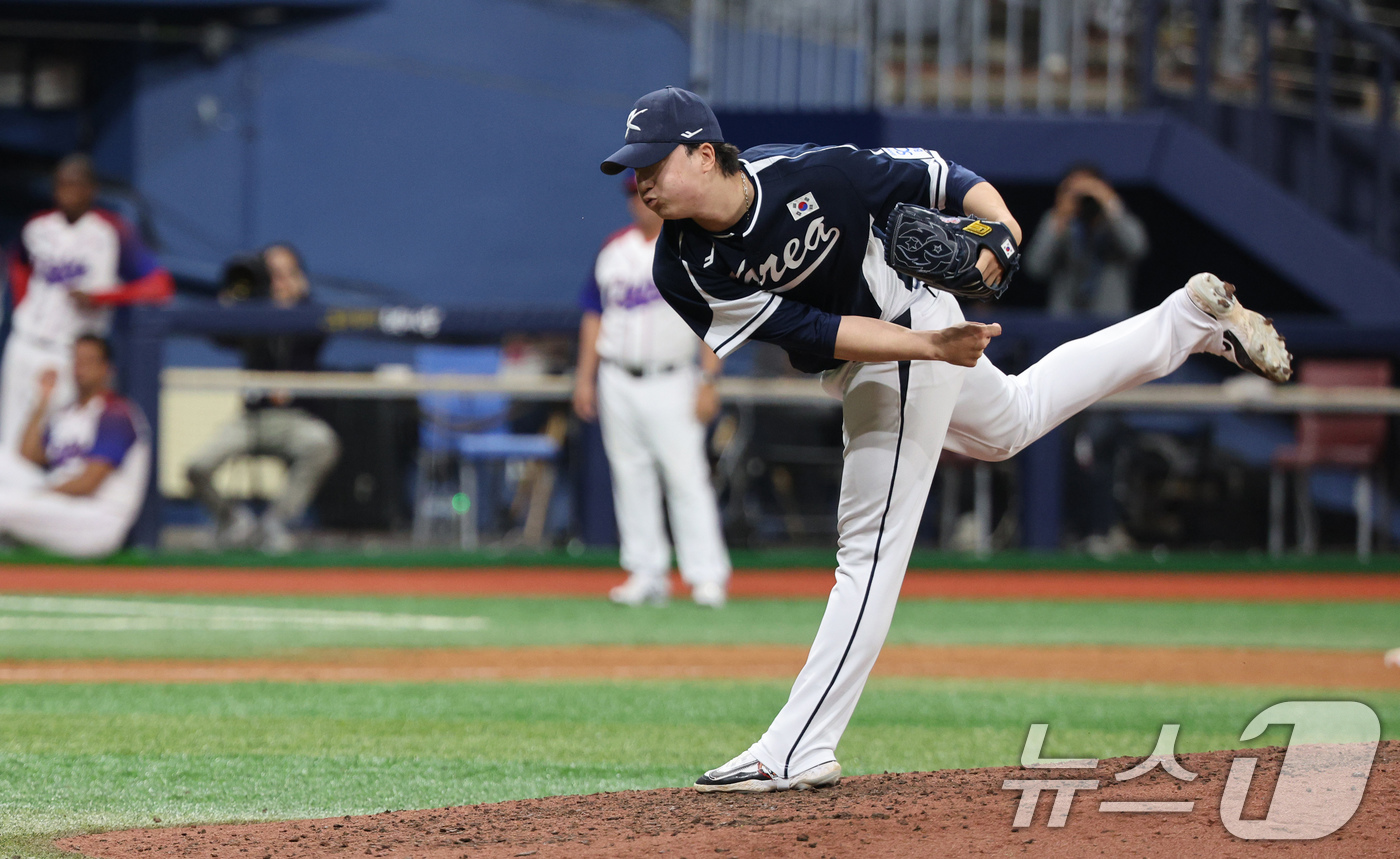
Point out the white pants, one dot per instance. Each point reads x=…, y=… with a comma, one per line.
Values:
x=64, y=524
x=24, y=360
x=897, y=418
x=653, y=439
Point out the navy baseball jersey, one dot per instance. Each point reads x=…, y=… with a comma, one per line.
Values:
x=809, y=251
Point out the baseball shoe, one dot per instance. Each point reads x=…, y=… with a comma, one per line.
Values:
x=276, y=539
x=1251, y=342
x=1392, y=658
x=642, y=590
x=745, y=774
x=709, y=595
x=237, y=530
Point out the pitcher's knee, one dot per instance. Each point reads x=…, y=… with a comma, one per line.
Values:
x=996, y=456
x=979, y=450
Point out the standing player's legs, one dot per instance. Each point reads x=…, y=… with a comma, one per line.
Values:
x=16, y=383
x=676, y=439
x=895, y=417
x=19, y=374
x=999, y=415
x=645, y=551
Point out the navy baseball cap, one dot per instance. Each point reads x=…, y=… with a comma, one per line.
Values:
x=658, y=122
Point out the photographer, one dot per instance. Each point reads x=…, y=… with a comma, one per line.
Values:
x=1086, y=248
x=272, y=424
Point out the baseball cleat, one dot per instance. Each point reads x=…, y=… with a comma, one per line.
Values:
x=237, y=529
x=1392, y=658
x=641, y=590
x=745, y=774
x=1251, y=342
x=276, y=539
x=709, y=595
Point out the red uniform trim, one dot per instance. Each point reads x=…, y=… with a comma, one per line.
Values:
x=19, y=278
x=155, y=288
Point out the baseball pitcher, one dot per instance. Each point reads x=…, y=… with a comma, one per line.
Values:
x=851, y=260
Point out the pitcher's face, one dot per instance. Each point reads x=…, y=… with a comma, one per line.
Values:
x=675, y=186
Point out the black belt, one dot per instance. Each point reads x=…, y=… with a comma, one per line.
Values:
x=642, y=372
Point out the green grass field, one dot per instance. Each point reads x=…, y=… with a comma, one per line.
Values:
x=185, y=627
x=79, y=757
x=772, y=558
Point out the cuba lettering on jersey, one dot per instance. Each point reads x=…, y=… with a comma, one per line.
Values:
x=94, y=254
x=810, y=250
x=106, y=427
x=638, y=329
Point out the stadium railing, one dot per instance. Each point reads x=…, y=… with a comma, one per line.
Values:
x=1041, y=465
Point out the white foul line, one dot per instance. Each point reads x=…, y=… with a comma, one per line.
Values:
x=121, y=615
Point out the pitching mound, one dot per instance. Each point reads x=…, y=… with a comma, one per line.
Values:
x=953, y=812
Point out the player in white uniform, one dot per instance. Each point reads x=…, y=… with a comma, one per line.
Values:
x=80, y=477
x=787, y=244
x=637, y=375
x=71, y=266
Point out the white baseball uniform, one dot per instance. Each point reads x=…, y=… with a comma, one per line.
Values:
x=100, y=255
x=810, y=250
x=647, y=386
x=106, y=427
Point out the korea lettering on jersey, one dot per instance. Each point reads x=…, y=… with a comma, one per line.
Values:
x=109, y=428
x=638, y=329
x=94, y=254
x=811, y=250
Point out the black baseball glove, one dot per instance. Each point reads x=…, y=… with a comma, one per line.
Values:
x=942, y=250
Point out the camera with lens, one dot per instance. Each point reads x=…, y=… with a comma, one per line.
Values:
x=245, y=277
x=1089, y=208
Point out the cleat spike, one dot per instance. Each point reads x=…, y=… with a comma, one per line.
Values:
x=1250, y=341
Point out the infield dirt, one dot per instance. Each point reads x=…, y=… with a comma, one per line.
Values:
x=1237, y=666
x=946, y=813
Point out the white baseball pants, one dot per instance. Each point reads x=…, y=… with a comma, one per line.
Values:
x=33, y=514
x=24, y=360
x=654, y=440
x=897, y=418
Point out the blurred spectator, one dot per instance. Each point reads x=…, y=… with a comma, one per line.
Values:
x=637, y=376
x=272, y=424
x=1087, y=247
x=80, y=478
x=71, y=266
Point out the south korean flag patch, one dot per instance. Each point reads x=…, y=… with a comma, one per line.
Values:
x=803, y=206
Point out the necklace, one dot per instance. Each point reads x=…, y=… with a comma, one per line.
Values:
x=745, y=181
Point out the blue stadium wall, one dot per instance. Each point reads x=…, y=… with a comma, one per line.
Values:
x=446, y=150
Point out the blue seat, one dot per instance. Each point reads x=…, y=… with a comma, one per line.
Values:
x=472, y=430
